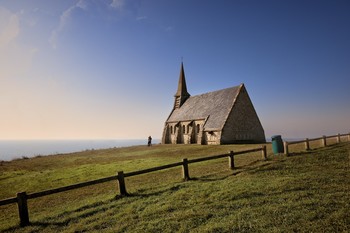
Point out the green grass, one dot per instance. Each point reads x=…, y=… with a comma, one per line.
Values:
x=306, y=192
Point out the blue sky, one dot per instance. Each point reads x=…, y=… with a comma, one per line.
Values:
x=108, y=69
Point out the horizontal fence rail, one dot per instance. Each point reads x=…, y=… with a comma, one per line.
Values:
x=8, y=201
x=22, y=197
x=207, y=158
x=307, y=141
x=70, y=187
x=153, y=169
x=249, y=151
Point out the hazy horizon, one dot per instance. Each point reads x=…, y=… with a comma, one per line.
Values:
x=13, y=149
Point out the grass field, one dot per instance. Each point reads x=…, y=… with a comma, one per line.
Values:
x=306, y=192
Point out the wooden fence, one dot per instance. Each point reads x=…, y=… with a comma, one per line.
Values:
x=22, y=197
x=307, y=141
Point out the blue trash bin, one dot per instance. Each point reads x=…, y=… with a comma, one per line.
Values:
x=277, y=144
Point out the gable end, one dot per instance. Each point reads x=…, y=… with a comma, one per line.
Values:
x=242, y=123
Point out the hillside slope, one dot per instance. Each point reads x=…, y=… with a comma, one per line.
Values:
x=307, y=192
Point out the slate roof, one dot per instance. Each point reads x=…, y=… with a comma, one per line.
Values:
x=216, y=105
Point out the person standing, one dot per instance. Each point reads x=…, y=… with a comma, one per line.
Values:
x=149, y=141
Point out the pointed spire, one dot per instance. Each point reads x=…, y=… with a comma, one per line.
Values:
x=182, y=88
x=181, y=95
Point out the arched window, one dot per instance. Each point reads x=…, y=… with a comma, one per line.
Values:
x=183, y=129
x=198, y=128
x=188, y=128
x=171, y=129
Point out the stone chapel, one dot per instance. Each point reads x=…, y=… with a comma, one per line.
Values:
x=225, y=116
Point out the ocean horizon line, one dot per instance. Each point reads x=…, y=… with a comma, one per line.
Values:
x=27, y=148
x=78, y=139
x=16, y=149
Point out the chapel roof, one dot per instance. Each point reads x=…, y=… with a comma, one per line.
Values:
x=215, y=105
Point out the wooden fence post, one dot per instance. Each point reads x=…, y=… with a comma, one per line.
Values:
x=121, y=181
x=185, y=172
x=286, y=152
x=307, y=145
x=324, y=141
x=23, y=209
x=263, y=152
x=338, y=138
x=231, y=160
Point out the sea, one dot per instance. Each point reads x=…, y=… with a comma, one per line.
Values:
x=16, y=149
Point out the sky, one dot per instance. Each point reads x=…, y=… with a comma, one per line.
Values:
x=108, y=69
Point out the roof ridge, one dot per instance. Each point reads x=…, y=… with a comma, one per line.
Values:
x=210, y=92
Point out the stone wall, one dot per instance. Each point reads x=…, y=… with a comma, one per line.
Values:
x=212, y=137
x=243, y=124
x=186, y=132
